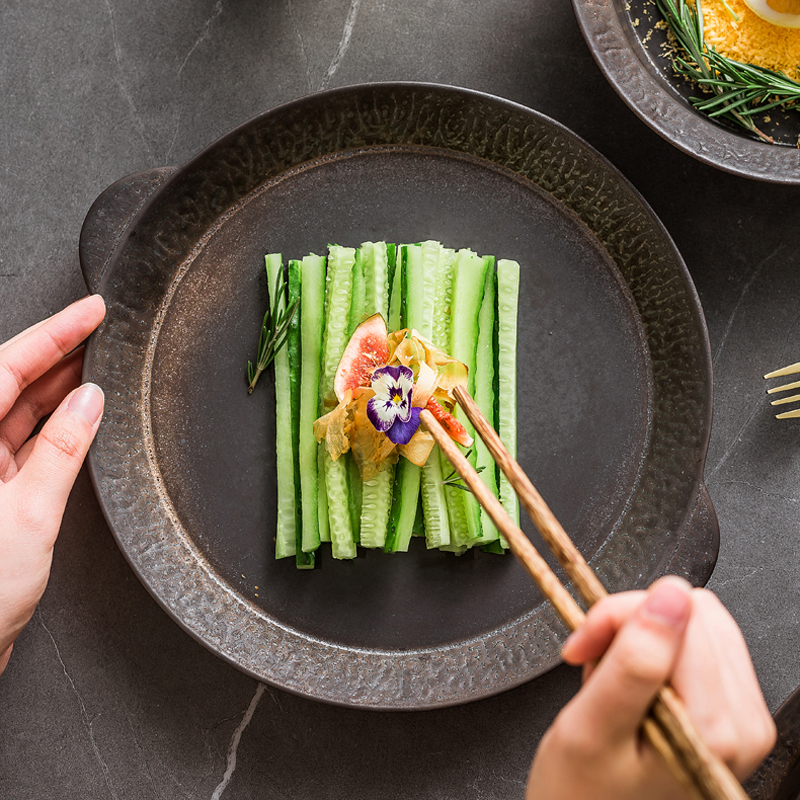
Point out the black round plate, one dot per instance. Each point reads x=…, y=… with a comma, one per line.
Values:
x=624, y=40
x=614, y=385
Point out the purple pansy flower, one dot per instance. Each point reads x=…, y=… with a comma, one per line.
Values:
x=390, y=410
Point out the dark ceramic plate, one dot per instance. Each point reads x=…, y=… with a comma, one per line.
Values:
x=614, y=378
x=624, y=41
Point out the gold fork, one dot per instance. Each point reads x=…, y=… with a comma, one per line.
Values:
x=780, y=373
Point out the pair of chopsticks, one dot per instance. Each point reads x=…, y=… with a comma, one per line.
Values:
x=667, y=727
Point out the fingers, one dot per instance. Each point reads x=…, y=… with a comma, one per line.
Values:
x=718, y=684
x=602, y=622
x=28, y=356
x=713, y=674
x=43, y=484
x=638, y=662
x=41, y=398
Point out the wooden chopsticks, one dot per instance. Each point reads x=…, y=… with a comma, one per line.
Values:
x=668, y=727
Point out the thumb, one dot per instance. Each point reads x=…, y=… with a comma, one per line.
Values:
x=639, y=661
x=47, y=476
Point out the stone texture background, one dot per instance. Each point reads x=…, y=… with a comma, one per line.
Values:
x=105, y=697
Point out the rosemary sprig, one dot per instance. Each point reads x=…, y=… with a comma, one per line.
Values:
x=274, y=329
x=453, y=479
x=738, y=91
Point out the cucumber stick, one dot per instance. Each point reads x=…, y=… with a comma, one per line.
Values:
x=404, y=506
x=357, y=316
x=375, y=261
x=303, y=560
x=485, y=395
x=443, y=287
x=322, y=493
x=357, y=295
x=285, y=532
x=338, y=302
x=395, y=320
x=376, y=492
x=437, y=279
x=417, y=293
x=468, y=286
x=405, y=492
x=312, y=305
x=507, y=308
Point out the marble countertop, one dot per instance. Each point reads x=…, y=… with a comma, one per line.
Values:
x=105, y=697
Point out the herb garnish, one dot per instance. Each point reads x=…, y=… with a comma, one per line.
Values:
x=274, y=330
x=453, y=479
x=739, y=91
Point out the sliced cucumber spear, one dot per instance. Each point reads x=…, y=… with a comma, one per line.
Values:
x=337, y=319
x=286, y=527
x=439, y=282
x=303, y=560
x=312, y=305
x=468, y=288
x=485, y=395
x=507, y=308
x=376, y=493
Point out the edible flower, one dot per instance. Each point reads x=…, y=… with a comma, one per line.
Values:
x=390, y=411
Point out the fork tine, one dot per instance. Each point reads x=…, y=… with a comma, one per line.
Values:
x=779, y=373
x=789, y=414
x=785, y=400
x=795, y=385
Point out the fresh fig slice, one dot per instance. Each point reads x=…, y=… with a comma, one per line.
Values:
x=455, y=430
x=367, y=350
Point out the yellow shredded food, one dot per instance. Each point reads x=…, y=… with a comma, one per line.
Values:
x=751, y=40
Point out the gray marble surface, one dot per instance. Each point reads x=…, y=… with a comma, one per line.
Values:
x=105, y=697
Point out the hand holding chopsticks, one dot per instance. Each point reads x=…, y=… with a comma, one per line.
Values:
x=668, y=727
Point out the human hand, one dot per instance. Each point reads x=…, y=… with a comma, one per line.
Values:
x=40, y=371
x=670, y=633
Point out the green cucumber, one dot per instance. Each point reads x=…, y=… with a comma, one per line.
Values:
x=468, y=286
x=443, y=287
x=302, y=560
x=507, y=309
x=485, y=395
x=357, y=295
x=404, y=506
x=432, y=269
x=376, y=492
x=312, y=304
x=408, y=476
x=375, y=259
x=342, y=542
x=418, y=528
x=322, y=507
x=356, y=491
x=395, y=320
x=357, y=316
x=419, y=287
x=376, y=503
x=337, y=314
x=286, y=526
x=337, y=319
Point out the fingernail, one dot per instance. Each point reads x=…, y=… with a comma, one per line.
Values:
x=88, y=401
x=668, y=603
